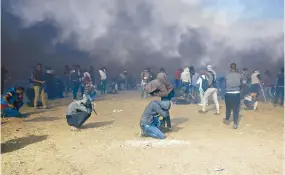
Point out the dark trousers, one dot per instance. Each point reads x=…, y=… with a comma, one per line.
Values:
x=77, y=120
x=244, y=90
x=232, y=104
x=167, y=119
x=177, y=83
x=75, y=87
x=279, y=95
x=103, y=86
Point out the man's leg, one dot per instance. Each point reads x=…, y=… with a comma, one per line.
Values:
x=236, y=107
x=37, y=94
x=168, y=122
x=201, y=96
x=229, y=107
x=74, y=90
x=277, y=95
x=43, y=98
x=206, y=97
x=215, y=98
x=152, y=131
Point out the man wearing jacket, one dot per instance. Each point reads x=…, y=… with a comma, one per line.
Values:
x=149, y=121
x=165, y=91
x=78, y=112
x=232, y=98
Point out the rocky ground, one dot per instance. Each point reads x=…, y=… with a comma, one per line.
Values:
x=108, y=144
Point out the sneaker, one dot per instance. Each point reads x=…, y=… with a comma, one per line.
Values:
x=74, y=128
x=217, y=113
x=235, y=126
x=142, y=134
x=225, y=121
x=202, y=112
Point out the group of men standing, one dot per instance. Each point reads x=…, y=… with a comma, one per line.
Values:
x=83, y=80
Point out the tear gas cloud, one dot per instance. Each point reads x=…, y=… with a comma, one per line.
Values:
x=134, y=34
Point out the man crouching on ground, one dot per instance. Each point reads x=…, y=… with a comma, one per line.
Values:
x=163, y=89
x=78, y=112
x=149, y=121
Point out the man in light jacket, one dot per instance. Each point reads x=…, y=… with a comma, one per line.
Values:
x=211, y=90
x=232, y=98
x=103, y=78
x=186, y=80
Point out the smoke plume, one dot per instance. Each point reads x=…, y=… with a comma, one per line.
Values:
x=134, y=34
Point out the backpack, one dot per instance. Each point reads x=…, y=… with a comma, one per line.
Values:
x=205, y=84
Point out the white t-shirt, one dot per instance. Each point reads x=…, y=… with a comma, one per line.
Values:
x=200, y=80
x=103, y=75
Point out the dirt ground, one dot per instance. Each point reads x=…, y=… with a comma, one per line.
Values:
x=109, y=144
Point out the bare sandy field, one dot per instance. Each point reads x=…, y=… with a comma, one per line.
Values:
x=109, y=144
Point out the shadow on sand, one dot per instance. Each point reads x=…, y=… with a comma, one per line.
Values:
x=38, y=111
x=18, y=143
x=42, y=119
x=97, y=124
x=177, y=121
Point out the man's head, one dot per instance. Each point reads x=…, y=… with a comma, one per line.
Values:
x=233, y=67
x=209, y=67
x=162, y=70
x=39, y=66
x=20, y=91
x=192, y=70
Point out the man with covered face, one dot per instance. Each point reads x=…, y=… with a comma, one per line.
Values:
x=78, y=112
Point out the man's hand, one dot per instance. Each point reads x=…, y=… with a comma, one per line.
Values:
x=11, y=105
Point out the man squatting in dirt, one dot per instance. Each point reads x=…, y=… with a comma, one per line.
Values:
x=149, y=120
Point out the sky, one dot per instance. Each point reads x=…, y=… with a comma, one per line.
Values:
x=131, y=35
x=249, y=9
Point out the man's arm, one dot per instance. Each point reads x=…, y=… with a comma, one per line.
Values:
x=162, y=91
x=6, y=99
x=259, y=77
x=157, y=108
x=34, y=80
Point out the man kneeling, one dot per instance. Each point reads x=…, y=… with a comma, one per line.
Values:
x=11, y=102
x=149, y=122
x=78, y=112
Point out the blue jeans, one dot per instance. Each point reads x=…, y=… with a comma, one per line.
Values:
x=75, y=87
x=66, y=83
x=152, y=131
x=11, y=112
x=279, y=95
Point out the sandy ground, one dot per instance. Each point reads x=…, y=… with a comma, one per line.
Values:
x=109, y=144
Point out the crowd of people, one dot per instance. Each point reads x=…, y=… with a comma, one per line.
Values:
x=187, y=87
x=233, y=87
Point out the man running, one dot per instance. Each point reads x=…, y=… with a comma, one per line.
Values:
x=212, y=90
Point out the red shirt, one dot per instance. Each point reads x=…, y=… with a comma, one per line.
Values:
x=177, y=74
